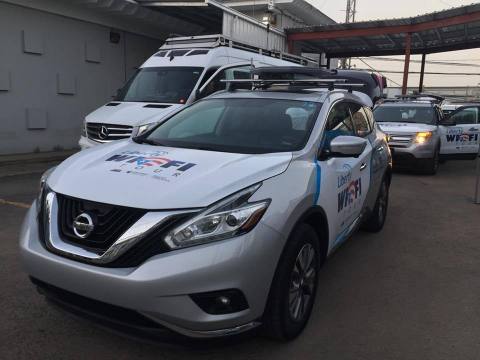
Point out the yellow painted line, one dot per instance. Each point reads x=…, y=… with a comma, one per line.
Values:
x=14, y=203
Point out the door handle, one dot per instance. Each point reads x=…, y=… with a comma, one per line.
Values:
x=363, y=166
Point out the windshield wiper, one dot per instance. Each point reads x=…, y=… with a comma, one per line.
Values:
x=148, y=141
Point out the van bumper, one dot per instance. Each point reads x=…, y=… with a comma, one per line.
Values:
x=86, y=143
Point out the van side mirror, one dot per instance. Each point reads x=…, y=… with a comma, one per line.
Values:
x=346, y=146
x=448, y=121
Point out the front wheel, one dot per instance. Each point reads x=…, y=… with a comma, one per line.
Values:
x=376, y=221
x=293, y=289
x=433, y=164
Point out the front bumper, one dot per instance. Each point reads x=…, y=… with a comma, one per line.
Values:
x=159, y=288
x=413, y=155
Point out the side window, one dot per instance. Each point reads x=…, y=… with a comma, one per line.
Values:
x=467, y=115
x=360, y=122
x=339, y=122
x=207, y=75
x=239, y=72
x=371, y=119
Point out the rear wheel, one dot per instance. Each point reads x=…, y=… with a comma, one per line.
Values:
x=293, y=290
x=376, y=221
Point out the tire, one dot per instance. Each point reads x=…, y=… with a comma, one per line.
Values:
x=377, y=218
x=293, y=290
x=433, y=163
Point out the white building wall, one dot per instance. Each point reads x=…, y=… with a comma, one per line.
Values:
x=53, y=71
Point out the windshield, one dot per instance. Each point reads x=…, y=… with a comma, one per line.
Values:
x=405, y=114
x=248, y=126
x=160, y=84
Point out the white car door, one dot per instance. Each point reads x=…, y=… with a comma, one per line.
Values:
x=345, y=187
x=462, y=138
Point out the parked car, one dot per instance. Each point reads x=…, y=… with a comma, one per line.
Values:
x=215, y=221
x=182, y=71
x=420, y=136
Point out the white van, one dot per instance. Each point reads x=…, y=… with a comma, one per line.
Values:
x=185, y=69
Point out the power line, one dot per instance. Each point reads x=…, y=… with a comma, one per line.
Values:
x=418, y=72
x=380, y=72
x=432, y=62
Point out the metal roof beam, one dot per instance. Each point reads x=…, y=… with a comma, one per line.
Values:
x=382, y=30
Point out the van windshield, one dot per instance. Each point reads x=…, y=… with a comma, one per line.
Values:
x=405, y=114
x=160, y=85
x=240, y=125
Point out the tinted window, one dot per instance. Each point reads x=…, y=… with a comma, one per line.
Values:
x=238, y=125
x=406, y=114
x=359, y=119
x=161, y=84
x=466, y=116
x=370, y=118
x=240, y=72
x=339, y=122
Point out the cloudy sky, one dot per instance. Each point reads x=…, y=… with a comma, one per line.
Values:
x=387, y=9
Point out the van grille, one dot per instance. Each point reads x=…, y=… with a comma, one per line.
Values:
x=108, y=132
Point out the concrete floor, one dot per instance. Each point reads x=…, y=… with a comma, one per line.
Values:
x=409, y=292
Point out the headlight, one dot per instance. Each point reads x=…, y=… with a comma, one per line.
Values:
x=422, y=137
x=142, y=129
x=84, y=128
x=230, y=217
x=42, y=187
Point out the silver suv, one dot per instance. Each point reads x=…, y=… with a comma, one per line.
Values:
x=413, y=132
x=215, y=221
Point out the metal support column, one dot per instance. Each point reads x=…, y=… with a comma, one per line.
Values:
x=408, y=45
x=291, y=46
x=422, y=73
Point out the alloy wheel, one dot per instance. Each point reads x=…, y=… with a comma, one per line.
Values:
x=302, y=282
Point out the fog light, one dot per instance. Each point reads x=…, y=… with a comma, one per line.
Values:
x=221, y=302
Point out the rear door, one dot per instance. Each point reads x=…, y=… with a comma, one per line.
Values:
x=347, y=179
x=462, y=138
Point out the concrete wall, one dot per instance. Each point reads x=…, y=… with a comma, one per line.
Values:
x=53, y=71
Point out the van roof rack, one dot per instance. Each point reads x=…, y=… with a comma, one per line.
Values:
x=297, y=84
x=213, y=41
x=422, y=96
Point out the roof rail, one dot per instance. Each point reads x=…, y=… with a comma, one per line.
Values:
x=213, y=41
x=300, y=84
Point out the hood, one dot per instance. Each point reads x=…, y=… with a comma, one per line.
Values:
x=152, y=177
x=130, y=113
x=407, y=128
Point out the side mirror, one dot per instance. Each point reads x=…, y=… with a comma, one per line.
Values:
x=347, y=146
x=448, y=121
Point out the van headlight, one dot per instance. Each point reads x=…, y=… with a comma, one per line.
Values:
x=423, y=137
x=142, y=129
x=43, y=188
x=84, y=128
x=230, y=217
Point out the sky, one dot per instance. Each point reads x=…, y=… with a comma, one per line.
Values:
x=388, y=9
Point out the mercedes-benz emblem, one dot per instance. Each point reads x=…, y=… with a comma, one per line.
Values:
x=83, y=225
x=103, y=132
